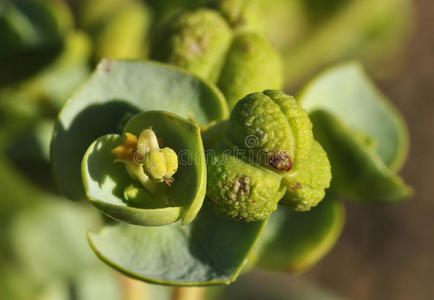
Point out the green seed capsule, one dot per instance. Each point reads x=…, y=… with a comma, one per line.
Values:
x=271, y=147
x=251, y=65
x=196, y=42
x=242, y=191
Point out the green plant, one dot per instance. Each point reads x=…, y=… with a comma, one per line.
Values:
x=258, y=177
x=212, y=256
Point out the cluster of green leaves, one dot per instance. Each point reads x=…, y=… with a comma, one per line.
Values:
x=202, y=252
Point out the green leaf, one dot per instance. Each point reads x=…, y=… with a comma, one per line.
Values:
x=358, y=172
x=368, y=30
x=365, y=138
x=32, y=144
x=30, y=38
x=118, y=88
x=295, y=241
x=210, y=250
x=40, y=238
x=17, y=192
x=105, y=181
x=349, y=94
x=47, y=239
x=68, y=71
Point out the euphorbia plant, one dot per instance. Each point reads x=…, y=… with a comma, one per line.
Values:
x=114, y=143
x=205, y=181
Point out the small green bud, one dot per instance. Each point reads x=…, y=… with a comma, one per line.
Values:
x=251, y=65
x=197, y=42
x=307, y=182
x=242, y=191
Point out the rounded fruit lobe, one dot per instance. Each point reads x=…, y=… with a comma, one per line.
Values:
x=242, y=191
x=307, y=183
x=197, y=42
x=251, y=65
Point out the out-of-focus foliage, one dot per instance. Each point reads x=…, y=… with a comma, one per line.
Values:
x=365, y=137
x=119, y=28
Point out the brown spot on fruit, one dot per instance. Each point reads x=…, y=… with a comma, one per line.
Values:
x=280, y=161
x=296, y=187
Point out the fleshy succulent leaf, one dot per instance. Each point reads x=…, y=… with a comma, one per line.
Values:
x=201, y=253
x=358, y=172
x=294, y=241
x=347, y=92
x=365, y=138
x=106, y=182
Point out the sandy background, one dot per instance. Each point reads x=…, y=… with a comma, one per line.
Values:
x=388, y=252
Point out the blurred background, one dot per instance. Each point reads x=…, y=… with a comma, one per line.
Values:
x=48, y=49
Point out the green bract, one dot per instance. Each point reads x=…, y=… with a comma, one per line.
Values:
x=106, y=182
x=360, y=131
x=294, y=241
x=273, y=152
x=200, y=253
x=116, y=89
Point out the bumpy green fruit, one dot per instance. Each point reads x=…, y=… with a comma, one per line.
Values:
x=202, y=42
x=307, y=182
x=268, y=140
x=196, y=41
x=273, y=126
x=242, y=191
x=251, y=65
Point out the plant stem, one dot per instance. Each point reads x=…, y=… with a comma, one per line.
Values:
x=188, y=293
